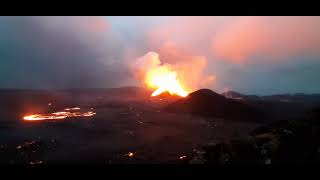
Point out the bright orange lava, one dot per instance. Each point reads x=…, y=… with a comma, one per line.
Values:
x=164, y=80
x=58, y=115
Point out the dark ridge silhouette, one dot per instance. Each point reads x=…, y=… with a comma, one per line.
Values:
x=129, y=91
x=287, y=98
x=16, y=101
x=205, y=102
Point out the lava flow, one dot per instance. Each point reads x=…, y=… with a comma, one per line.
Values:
x=58, y=115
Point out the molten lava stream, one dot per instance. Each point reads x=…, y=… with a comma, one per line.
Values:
x=58, y=115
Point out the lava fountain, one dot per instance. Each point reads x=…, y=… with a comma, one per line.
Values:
x=164, y=80
x=159, y=77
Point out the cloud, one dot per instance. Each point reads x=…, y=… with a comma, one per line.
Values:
x=275, y=38
x=242, y=39
x=60, y=52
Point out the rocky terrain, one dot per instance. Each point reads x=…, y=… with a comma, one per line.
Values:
x=292, y=141
x=132, y=127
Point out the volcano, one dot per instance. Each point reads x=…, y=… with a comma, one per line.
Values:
x=205, y=102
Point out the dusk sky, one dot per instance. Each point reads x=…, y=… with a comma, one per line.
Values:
x=252, y=55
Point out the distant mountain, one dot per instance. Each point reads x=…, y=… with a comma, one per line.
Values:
x=23, y=100
x=129, y=91
x=205, y=102
x=238, y=96
x=279, y=106
x=297, y=98
x=232, y=95
x=290, y=98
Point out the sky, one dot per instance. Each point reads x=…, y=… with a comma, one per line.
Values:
x=251, y=55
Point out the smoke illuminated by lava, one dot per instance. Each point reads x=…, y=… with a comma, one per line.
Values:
x=179, y=75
